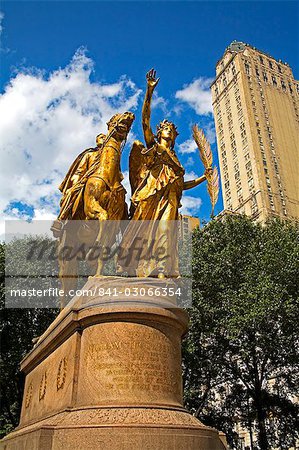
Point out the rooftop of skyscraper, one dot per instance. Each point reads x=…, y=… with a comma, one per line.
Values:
x=239, y=46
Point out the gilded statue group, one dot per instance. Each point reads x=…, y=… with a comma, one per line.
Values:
x=93, y=190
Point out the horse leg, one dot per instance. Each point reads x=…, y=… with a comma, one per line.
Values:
x=96, y=196
x=68, y=267
x=95, y=199
x=106, y=237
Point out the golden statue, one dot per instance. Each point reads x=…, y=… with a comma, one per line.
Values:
x=80, y=166
x=92, y=189
x=157, y=182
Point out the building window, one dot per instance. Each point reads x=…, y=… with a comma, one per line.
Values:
x=261, y=59
x=290, y=88
x=257, y=72
x=279, y=68
x=283, y=85
x=247, y=68
x=265, y=76
x=270, y=64
x=274, y=81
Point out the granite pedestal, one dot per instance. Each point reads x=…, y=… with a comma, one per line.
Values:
x=106, y=375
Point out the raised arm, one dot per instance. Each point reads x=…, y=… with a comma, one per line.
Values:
x=152, y=82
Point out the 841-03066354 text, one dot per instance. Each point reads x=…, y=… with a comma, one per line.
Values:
x=101, y=292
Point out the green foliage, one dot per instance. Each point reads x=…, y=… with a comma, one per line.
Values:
x=243, y=333
x=239, y=358
x=18, y=328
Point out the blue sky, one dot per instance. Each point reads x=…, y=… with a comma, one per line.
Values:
x=118, y=42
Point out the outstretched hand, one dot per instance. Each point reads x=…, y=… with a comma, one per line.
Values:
x=152, y=81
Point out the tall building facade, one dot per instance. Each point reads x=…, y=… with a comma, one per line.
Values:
x=256, y=109
x=188, y=224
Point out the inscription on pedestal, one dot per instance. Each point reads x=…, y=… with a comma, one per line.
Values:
x=142, y=361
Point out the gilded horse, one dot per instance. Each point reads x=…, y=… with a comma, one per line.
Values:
x=97, y=196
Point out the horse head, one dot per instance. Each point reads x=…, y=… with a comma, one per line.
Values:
x=120, y=124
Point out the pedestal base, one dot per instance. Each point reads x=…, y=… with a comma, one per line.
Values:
x=116, y=429
x=107, y=375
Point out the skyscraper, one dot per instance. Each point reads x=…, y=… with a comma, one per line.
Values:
x=256, y=108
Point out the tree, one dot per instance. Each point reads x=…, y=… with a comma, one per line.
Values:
x=240, y=359
x=18, y=328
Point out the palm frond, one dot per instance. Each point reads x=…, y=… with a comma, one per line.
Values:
x=204, y=147
x=213, y=188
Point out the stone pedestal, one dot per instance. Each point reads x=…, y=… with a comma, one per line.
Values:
x=107, y=375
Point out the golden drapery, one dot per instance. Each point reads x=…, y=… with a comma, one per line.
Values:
x=154, y=224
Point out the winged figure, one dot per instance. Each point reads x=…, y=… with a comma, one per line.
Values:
x=157, y=183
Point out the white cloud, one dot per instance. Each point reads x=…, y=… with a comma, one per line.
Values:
x=190, y=162
x=127, y=186
x=190, y=205
x=210, y=132
x=159, y=102
x=188, y=146
x=197, y=94
x=190, y=176
x=43, y=214
x=46, y=122
x=1, y=21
